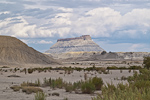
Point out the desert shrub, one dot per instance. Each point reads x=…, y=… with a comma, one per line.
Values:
x=85, y=76
x=121, y=86
x=146, y=62
x=87, y=87
x=59, y=82
x=30, y=70
x=24, y=84
x=103, y=70
x=15, y=88
x=65, y=99
x=78, y=69
x=5, y=67
x=123, y=78
x=90, y=68
x=40, y=96
x=77, y=85
x=120, y=70
x=55, y=94
x=37, y=83
x=13, y=75
x=16, y=69
x=25, y=70
x=127, y=94
x=109, y=87
x=141, y=84
x=137, y=89
x=129, y=70
x=31, y=89
x=98, y=82
x=47, y=82
x=135, y=67
x=53, y=84
x=69, y=87
x=113, y=67
x=103, y=53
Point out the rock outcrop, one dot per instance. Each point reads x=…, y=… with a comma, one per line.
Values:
x=99, y=56
x=78, y=44
x=13, y=51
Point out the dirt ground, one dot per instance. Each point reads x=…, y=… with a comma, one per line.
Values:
x=8, y=94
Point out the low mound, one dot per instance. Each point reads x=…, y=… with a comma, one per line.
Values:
x=14, y=51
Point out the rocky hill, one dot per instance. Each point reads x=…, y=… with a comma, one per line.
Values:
x=98, y=56
x=78, y=44
x=13, y=51
x=119, y=56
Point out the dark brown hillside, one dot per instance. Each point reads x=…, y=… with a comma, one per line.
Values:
x=14, y=51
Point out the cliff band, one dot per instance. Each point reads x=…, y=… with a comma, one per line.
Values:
x=78, y=44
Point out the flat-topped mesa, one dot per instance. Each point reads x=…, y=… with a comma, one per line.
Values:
x=83, y=37
x=83, y=43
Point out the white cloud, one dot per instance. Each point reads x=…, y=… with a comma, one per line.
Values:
x=45, y=42
x=137, y=16
x=98, y=22
x=7, y=2
x=139, y=47
x=65, y=9
x=123, y=47
x=5, y=12
x=113, y=19
x=23, y=29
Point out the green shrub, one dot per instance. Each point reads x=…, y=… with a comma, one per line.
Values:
x=40, y=96
x=30, y=71
x=69, y=87
x=88, y=87
x=135, y=67
x=55, y=94
x=36, y=84
x=113, y=67
x=146, y=62
x=15, y=88
x=128, y=94
x=31, y=89
x=137, y=89
x=98, y=82
x=65, y=99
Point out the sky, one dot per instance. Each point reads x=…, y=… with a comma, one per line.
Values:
x=115, y=25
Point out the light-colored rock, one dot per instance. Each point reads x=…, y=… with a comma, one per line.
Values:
x=78, y=44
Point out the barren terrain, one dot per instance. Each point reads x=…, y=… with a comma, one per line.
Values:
x=8, y=94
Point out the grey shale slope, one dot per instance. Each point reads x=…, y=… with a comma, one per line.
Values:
x=14, y=51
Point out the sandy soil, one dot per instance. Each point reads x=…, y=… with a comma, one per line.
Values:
x=8, y=94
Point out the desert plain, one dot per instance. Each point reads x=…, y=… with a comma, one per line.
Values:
x=9, y=77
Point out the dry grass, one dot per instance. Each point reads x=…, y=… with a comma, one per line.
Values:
x=31, y=89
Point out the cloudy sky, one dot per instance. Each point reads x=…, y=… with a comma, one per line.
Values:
x=116, y=25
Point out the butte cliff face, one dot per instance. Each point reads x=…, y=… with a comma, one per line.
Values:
x=14, y=51
x=78, y=44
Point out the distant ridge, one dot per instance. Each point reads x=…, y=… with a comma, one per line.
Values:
x=77, y=44
x=14, y=51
